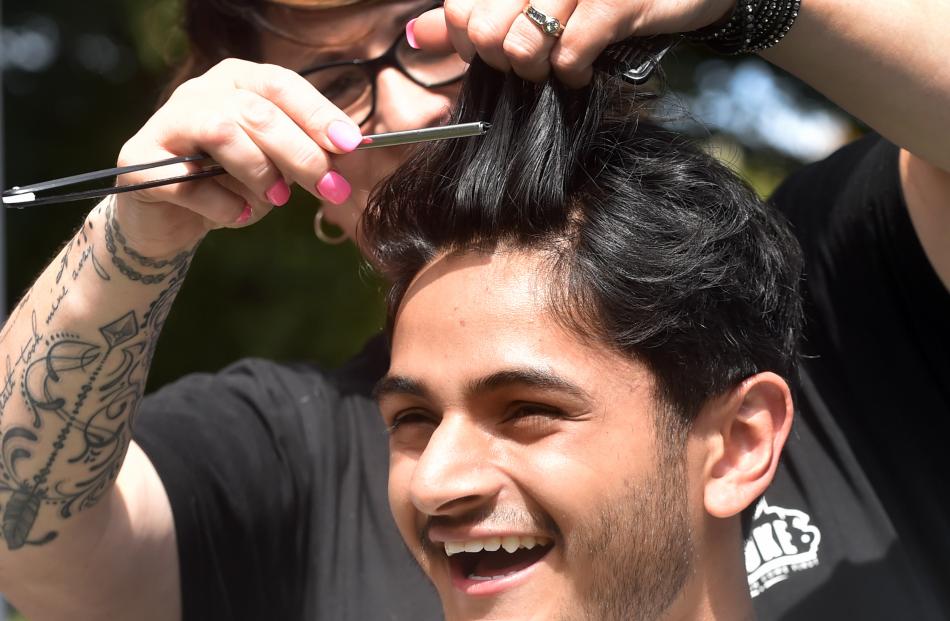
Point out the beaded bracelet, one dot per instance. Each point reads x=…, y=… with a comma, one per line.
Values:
x=754, y=25
x=732, y=37
x=777, y=19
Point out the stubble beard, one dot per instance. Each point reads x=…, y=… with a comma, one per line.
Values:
x=639, y=548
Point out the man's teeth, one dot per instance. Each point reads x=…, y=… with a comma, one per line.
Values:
x=492, y=544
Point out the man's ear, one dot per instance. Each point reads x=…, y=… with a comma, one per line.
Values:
x=745, y=433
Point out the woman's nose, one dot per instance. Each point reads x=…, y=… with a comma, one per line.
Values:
x=402, y=104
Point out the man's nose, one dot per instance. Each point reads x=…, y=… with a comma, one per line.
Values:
x=402, y=104
x=455, y=473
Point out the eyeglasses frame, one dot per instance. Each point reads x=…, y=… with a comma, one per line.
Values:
x=372, y=67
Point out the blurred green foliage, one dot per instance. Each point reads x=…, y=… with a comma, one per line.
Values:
x=14, y=615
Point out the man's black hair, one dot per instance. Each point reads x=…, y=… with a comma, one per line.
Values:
x=655, y=249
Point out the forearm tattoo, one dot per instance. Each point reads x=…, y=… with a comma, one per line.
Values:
x=116, y=241
x=80, y=390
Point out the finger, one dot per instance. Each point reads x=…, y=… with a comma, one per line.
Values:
x=219, y=133
x=206, y=197
x=430, y=32
x=286, y=144
x=457, y=13
x=327, y=125
x=488, y=28
x=259, y=208
x=528, y=47
x=585, y=36
x=334, y=188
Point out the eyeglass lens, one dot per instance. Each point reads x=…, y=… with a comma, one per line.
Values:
x=350, y=87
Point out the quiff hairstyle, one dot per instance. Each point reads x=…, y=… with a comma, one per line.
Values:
x=653, y=248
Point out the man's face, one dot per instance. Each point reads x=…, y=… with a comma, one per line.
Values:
x=532, y=451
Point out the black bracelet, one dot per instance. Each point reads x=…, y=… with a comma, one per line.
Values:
x=777, y=19
x=732, y=37
x=754, y=25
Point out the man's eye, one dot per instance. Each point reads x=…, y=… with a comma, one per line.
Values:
x=533, y=411
x=410, y=419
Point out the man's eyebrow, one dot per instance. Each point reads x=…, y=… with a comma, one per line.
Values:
x=399, y=385
x=530, y=377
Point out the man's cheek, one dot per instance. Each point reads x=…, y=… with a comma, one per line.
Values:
x=400, y=500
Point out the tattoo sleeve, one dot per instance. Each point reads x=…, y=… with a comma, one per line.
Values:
x=72, y=379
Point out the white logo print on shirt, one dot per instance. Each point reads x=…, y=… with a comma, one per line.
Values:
x=781, y=542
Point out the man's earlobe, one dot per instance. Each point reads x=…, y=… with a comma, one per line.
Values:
x=750, y=431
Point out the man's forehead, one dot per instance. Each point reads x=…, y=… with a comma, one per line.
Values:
x=488, y=293
x=497, y=273
x=479, y=315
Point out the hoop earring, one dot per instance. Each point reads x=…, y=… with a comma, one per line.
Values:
x=322, y=235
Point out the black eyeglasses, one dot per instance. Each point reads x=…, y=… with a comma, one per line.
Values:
x=351, y=84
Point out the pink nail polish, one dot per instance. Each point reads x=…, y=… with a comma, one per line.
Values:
x=345, y=136
x=334, y=187
x=245, y=214
x=411, y=34
x=278, y=194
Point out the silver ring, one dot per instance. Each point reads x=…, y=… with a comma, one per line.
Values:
x=550, y=26
x=322, y=235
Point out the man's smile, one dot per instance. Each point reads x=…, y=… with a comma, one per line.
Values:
x=486, y=563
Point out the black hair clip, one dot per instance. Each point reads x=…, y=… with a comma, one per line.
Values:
x=635, y=59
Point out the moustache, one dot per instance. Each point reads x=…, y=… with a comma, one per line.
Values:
x=515, y=519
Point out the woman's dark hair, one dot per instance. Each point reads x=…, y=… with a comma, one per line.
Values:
x=655, y=249
x=215, y=30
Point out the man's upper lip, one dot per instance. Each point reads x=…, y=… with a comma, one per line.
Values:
x=441, y=534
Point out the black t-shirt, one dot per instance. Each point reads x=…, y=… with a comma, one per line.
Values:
x=277, y=474
x=277, y=479
x=857, y=522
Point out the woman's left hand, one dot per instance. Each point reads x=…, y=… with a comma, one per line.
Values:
x=500, y=33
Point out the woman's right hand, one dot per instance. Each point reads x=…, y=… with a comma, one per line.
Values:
x=266, y=126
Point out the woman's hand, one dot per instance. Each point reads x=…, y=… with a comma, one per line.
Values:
x=267, y=127
x=503, y=37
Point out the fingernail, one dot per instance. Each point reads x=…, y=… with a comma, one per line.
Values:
x=245, y=214
x=278, y=194
x=334, y=187
x=345, y=136
x=411, y=35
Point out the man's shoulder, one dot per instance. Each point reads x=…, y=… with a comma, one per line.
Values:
x=284, y=451
x=267, y=383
